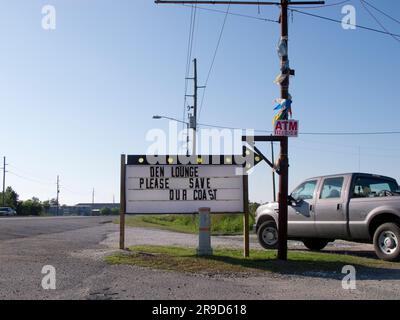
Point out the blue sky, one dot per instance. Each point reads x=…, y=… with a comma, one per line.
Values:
x=73, y=99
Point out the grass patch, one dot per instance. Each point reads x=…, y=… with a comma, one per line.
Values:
x=221, y=224
x=232, y=261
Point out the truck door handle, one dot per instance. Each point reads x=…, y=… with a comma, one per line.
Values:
x=339, y=206
x=311, y=207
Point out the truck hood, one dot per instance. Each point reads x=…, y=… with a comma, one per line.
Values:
x=267, y=207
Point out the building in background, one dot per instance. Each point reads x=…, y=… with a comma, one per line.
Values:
x=70, y=211
x=83, y=209
x=95, y=208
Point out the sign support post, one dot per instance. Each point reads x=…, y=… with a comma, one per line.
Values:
x=122, y=209
x=204, y=248
x=246, y=237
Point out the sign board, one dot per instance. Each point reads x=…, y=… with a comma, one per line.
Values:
x=286, y=128
x=183, y=188
x=185, y=184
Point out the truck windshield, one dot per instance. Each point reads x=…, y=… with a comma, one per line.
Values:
x=366, y=187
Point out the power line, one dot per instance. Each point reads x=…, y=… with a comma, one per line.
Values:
x=345, y=145
x=350, y=24
x=235, y=14
x=29, y=175
x=380, y=11
x=30, y=179
x=214, y=56
x=353, y=133
x=324, y=5
x=75, y=192
x=189, y=54
x=42, y=182
x=377, y=21
x=308, y=133
x=355, y=153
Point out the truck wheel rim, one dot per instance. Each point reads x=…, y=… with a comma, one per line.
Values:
x=388, y=242
x=270, y=236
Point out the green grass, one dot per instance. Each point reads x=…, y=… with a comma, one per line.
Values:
x=232, y=261
x=221, y=224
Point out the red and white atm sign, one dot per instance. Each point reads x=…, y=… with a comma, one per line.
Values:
x=286, y=128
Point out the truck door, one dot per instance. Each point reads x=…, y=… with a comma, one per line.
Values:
x=330, y=209
x=301, y=213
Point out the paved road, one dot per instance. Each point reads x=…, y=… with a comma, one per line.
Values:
x=16, y=227
x=76, y=247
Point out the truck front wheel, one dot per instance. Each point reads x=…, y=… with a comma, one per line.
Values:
x=268, y=235
x=386, y=242
x=315, y=244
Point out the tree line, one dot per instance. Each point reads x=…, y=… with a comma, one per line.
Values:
x=35, y=207
x=30, y=207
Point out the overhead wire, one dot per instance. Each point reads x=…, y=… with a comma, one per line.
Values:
x=29, y=179
x=382, y=12
x=339, y=21
x=378, y=22
x=308, y=133
x=235, y=14
x=40, y=181
x=213, y=59
x=28, y=175
x=189, y=55
x=324, y=5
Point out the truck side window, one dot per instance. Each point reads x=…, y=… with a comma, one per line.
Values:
x=305, y=191
x=332, y=188
x=367, y=187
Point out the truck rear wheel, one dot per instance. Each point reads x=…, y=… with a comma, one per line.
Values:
x=386, y=242
x=315, y=244
x=268, y=235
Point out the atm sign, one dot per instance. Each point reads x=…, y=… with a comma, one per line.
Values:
x=286, y=128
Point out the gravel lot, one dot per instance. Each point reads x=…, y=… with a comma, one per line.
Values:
x=76, y=247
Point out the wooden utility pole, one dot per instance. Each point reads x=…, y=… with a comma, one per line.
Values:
x=283, y=158
x=195, y=96
x=192, y=124
x=273, y=172
x=58, y=193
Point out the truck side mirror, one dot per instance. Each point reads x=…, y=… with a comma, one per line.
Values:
x=292, y=201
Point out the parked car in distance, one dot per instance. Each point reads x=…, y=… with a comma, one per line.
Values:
x=6, y=211
x=357, y=207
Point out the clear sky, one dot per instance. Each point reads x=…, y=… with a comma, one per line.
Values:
x=73, y=99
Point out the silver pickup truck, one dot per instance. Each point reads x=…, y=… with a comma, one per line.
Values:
x=355, y=206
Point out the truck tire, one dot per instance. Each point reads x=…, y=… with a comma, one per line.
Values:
x=315, y=244
x=268, y=235
x=386, y=242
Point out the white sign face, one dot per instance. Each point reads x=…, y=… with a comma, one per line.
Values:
x=183, y=188
x=287, y=128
